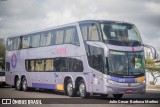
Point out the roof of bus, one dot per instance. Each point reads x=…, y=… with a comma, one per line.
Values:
x=69, y=24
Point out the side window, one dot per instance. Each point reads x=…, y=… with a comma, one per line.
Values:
x=61, y=65
x=16, y=43
x=59, y=36
x=71, y=36
x=90, y=32
x=79, y=65
x=35, y=40
x=95, y=58
x=75, y=65
x=46, y=39
x=93, y=33
x=84, y=31
x=53, y=37
x=39, y=65
x=25, y=42
x=9, y=44
x=7, y=66
x=30, y=66
x=49, y=65
x=64, y=67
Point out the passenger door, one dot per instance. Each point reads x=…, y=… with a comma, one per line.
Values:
x=96, y=62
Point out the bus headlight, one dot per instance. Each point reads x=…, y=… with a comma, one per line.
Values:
x=144, y=82
x=111, y=82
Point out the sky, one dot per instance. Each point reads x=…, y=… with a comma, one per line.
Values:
x=21, y=16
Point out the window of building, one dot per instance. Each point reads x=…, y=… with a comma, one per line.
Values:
x=59, y=36
x=25, y=41
x=39, y=65
x=35, y=40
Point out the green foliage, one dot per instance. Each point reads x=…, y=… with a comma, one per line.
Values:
x=150, y=61
x=2, y=55
x=151, y=66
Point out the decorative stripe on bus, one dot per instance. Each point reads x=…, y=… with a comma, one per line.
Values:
x=60, y=87
x=127, y=80
x=48, y=86
x=42, y=85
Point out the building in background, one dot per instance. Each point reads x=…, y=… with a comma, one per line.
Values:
x=2, y=41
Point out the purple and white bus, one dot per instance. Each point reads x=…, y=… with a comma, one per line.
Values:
x=86, y=57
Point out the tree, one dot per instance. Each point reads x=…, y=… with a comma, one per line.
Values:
x=153, y=69
x=2, y=56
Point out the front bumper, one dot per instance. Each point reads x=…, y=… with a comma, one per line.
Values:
x=123, y=89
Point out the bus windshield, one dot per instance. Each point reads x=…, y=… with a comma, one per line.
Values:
x=126, y=63
x=121, y=34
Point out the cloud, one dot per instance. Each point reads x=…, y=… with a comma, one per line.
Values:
x=20, y=16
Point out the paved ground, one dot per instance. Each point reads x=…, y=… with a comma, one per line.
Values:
x=8, y=92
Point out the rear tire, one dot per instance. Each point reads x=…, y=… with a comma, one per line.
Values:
x=24, y=84
x=117, y=96
x=18, y=84
x=82, y=89
x=71, y=92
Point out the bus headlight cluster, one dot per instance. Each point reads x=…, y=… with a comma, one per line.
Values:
x=144, y=82
x=111, y=82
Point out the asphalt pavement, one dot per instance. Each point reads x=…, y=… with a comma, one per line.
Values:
x=55, y=98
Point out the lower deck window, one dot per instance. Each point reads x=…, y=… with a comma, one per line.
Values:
x=61, y=64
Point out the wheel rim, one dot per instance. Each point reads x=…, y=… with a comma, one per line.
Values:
x=18, y=84
x=82, y=89
x=24, y=84
x=69, y=88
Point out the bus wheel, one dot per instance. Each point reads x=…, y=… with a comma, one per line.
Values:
x=70, y=90
x=82, y=89
x=117, y=96
x=18, y=84
x=24, y=84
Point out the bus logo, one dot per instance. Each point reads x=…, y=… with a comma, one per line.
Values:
x=14, y=60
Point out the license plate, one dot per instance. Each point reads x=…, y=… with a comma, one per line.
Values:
x=128, y=90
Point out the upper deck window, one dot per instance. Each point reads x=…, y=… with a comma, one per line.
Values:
x=13, y=43
x=35, y=40
x=46, y=39
x=120, y=34
x=90, y=32
x=59, y=36
x=25, y=41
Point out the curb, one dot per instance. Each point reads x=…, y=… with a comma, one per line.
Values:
x=153, y=89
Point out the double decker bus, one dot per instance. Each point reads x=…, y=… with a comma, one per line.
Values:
x=86, y=57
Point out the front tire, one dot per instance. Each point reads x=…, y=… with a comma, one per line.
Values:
x=18, y=84
x=117, y=96
x=70, y=90
x=82, y=89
